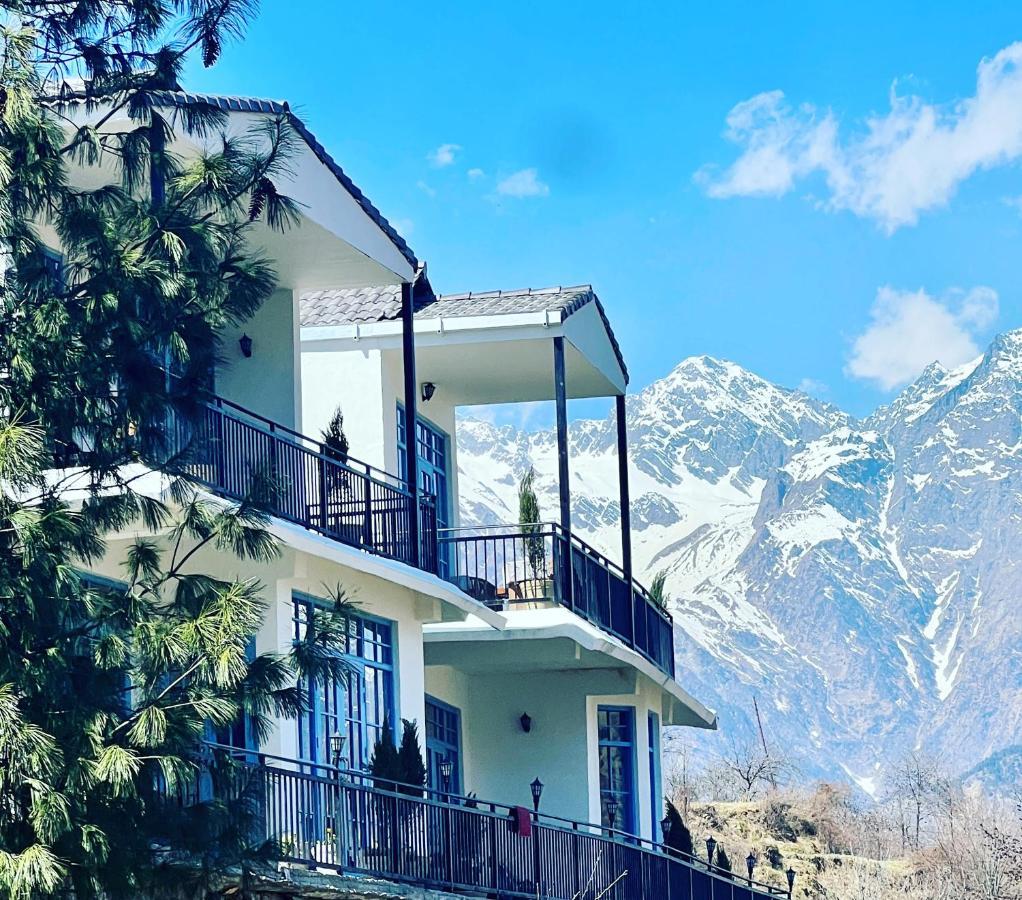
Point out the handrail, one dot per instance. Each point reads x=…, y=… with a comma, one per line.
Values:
x=322, y=798
x=228, y=448
x=321, y=450
x=556, y=530
x=504, y=564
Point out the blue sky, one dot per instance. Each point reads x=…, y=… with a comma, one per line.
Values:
x=836, y=237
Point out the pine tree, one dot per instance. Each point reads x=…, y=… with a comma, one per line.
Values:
x=528, y=518
x=384, y=765
x=106, y=692
x=409, y=756
x=679, y=838
x=335, y=441
x=723, y=862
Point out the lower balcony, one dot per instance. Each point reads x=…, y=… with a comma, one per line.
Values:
x=530, y=566
x=345, y=822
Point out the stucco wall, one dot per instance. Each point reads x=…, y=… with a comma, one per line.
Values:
x=500, y=760
x=368, y=385
x=349, y=380
x=268, y=382
x=316, y=577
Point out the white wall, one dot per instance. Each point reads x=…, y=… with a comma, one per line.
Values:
x=500, y=760
x=314, y=576
x=352, y=381
x=270, y=381
x=368, y=385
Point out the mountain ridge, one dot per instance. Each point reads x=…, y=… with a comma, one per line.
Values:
x=856, y=575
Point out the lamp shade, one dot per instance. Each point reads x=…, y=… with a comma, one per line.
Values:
x=537, y=791
x=665, y=826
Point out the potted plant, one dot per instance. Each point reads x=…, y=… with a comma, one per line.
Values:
x=337, y=485
x=539, y=586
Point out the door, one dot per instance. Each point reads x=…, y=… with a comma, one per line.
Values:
x=443, y=742
x=431, y=452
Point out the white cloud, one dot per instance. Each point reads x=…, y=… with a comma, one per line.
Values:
x=475, y=174
x=425, y=188
x=895, y=166
x=524, y=183
x=813, y=387
x=910, y=329
x=404, y=227
x=443, y=156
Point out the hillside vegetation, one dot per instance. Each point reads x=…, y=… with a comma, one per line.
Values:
x=923, y=835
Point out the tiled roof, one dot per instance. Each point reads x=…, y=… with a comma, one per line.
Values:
x=378, y=304
x=281, y=107
x=345, y=307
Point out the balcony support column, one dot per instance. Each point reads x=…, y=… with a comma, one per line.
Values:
x=561, y=400
x=566, y=578
x=411, y=403
x=622, y=469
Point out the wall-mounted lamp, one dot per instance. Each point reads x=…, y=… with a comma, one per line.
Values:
x=428, y=390
x=245, y=342
x=526, y=721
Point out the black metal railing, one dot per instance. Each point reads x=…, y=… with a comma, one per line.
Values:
x=339, y=820
x=508, y=565
x=237, y=453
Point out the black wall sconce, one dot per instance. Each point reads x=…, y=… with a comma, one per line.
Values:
x=245, y=342
x=526, y=721
x=428, y=390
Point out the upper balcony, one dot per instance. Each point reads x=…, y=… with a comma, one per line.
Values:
x=363, y=349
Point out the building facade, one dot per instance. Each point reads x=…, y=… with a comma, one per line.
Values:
x=526, y=657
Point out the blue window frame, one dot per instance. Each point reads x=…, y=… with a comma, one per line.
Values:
x=616, y=732
x=431, y=450
x=655, y=790
x=357, y=705
x=443, y=741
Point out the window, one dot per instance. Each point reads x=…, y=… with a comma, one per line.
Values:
x=53, y=263
x=616, y=731
x=655, y=791
x=443, y=741
x=431, y=451
x=355, y=706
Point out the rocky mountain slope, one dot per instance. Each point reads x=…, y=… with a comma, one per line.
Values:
x=860, y=578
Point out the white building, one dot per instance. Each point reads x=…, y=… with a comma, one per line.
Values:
x=523, y=654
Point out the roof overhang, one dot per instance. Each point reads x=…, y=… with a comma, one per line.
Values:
x=342, y=240
x=505, y=358
x=554, y=639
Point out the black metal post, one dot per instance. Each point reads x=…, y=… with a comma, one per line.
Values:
x=563, y=485
x=622, y=469
x=561, y=399
x=411, y=456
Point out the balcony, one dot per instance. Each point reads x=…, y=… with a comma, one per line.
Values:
x=529, y=566
x=237, y=453
x=339, y=821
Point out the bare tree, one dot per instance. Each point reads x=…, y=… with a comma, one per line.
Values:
x=753, y=769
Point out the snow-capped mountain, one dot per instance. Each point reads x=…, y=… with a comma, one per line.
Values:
x=859, y=578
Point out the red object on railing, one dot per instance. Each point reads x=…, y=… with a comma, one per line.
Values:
x=521, y=821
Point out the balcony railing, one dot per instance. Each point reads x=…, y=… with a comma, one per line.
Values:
x=337, y=820
x=237, y=453
x=517, y=565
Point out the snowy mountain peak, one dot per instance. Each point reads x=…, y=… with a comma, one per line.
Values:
x=859, y=577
